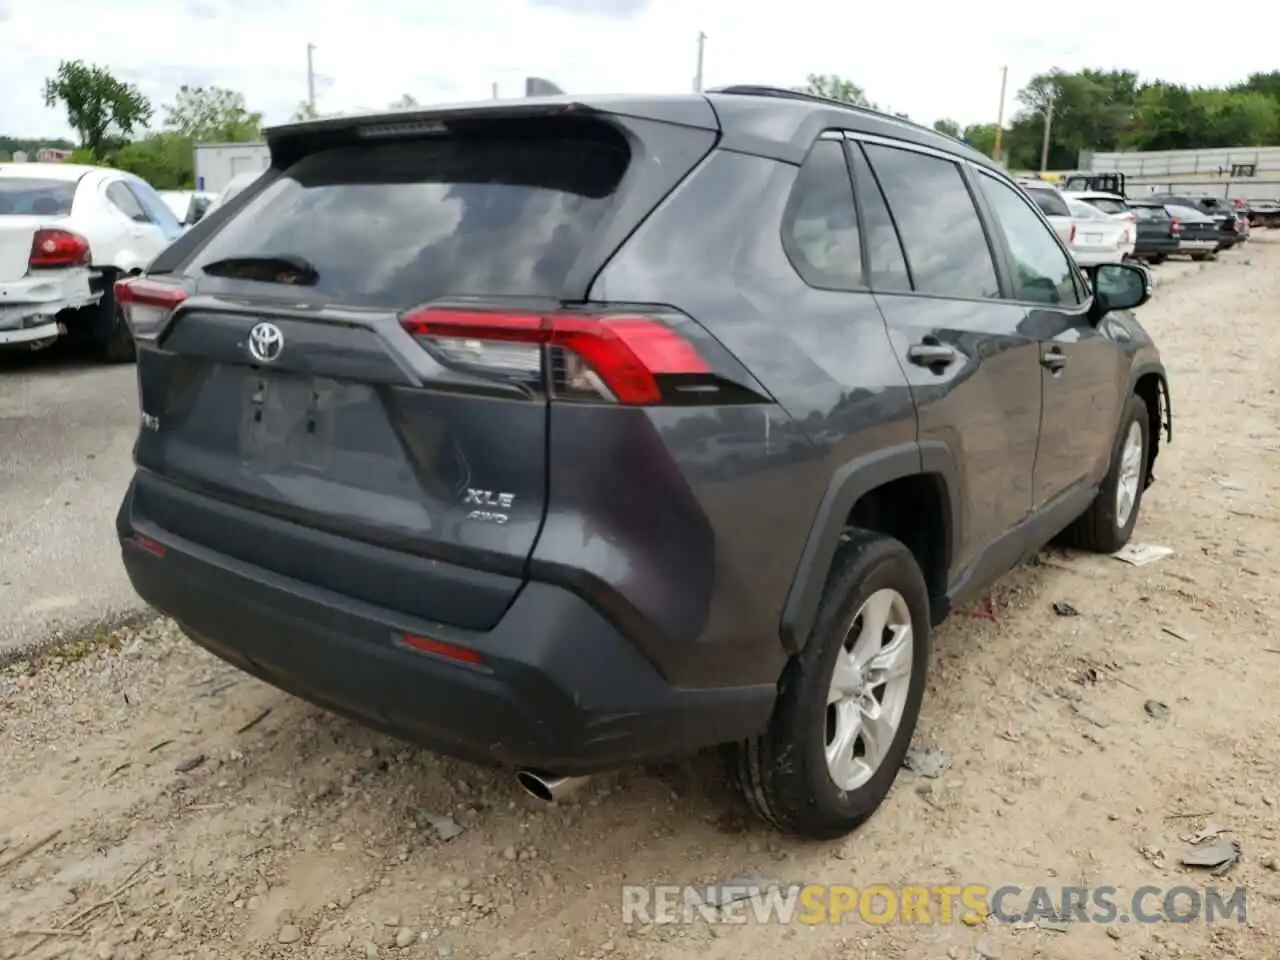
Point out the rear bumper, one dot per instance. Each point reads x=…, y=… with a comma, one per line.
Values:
x=34, y=332
x=1197, y=246
x=1150, y=247
x=560, y=689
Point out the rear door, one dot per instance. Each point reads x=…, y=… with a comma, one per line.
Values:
x=294, y=400
x=973, y=371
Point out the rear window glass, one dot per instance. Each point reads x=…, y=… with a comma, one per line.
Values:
x=26, y=197
x=1049, y=201
x=393, y=224
x=1151, y=213
x=1107, y=205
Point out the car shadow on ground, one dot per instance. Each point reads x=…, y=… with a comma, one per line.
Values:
x=59, y=358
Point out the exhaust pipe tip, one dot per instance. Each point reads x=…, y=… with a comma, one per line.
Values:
x=548, y=788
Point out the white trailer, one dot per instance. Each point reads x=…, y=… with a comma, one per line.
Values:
x=217, y=163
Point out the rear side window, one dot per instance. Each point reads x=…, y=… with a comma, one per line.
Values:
x=28, y=197
x=945, y=244
x=1107, y=205
x=396, y=223
x=1049, y=201
x=820, y=229
x=122, y=199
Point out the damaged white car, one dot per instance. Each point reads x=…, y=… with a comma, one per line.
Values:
x=67, y=233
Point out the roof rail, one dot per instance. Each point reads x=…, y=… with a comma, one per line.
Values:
x=785, y=93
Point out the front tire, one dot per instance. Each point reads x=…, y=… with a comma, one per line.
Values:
x=1108, y=523
x=848, y=703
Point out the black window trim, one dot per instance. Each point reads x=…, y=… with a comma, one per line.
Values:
x=1001, y=269
x=1006, y=255
x=784, y=232
x=851, y=144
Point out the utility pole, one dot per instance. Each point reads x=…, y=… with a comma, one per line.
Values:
x=495, y=89
x=697, y=77
x=1048, y=125
x=311, y=78
x=1004, y=81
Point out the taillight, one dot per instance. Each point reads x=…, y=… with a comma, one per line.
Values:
x=58, y=249
x=147, y=304
x=1175, y=227
x=1071, y=237
x=615, y=358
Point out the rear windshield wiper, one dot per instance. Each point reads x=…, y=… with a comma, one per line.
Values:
x=272, y=268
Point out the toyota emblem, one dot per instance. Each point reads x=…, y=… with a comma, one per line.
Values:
x=265, y=342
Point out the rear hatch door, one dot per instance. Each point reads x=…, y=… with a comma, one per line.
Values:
x=299, y=426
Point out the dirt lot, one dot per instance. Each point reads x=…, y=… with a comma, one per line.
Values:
x=186, y=829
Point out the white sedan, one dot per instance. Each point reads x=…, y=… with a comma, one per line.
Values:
x=1099, y=237
x=67, y=232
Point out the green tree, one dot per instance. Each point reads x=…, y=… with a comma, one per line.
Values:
x=165, y=160
x=97, y=104
x=836, y=88
x=947, y=126
x=404, y=102
x=305, y=111
x=212, y=115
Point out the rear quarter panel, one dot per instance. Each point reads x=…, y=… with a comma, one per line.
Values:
x=746, y=481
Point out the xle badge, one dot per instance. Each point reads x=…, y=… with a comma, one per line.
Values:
x=490, y=507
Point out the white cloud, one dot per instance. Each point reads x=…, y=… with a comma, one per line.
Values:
x=928, y=59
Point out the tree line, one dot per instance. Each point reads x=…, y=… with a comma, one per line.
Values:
x=113, y=122
x=1092, y=109
x=1106, y=110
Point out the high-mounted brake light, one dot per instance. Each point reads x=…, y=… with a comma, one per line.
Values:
x=148, y=304
x=51, y=249
x=610, y=358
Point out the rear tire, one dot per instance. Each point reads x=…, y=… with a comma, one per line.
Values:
x=112, y=340
x=789, y=774
x=1157, y=259
x=1109, y=522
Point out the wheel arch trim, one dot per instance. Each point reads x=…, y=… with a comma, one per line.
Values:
x=850, y=483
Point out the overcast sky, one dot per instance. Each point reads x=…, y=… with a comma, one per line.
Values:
x=926, y=58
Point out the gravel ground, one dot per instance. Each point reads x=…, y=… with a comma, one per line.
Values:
x=188, y=811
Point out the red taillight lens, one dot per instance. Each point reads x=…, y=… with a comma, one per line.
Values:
x=439, y=648
x=1175, y=227
x=615, y=358
x=1071, y=237
x=148, y=304
x=58, y=248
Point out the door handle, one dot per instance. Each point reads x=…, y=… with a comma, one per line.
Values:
x=1054, y=360
x=932, y=354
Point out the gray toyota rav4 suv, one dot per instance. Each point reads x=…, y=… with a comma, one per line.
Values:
x=567, y=434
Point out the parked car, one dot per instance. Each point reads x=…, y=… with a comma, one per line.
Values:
x=1219, y=209
x=188, y=205
x=1099, y=237
x=1157, y=236
x=426, y=421
x=1054, y=206
x=1199, y=234
x=67, y=233
x=1108, y=203
x=1264, y=213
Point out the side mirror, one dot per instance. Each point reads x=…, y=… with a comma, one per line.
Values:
x=1120, y=286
